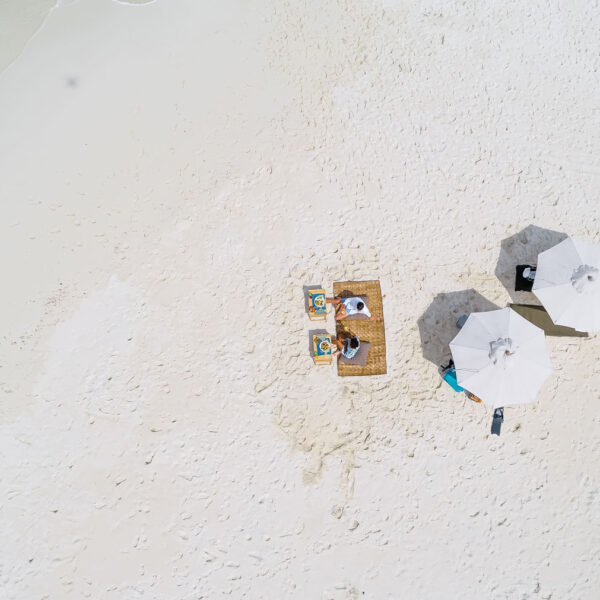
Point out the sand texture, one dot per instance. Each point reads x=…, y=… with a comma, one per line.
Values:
x=173, y=175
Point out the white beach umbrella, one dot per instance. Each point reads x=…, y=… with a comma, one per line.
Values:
x=567, y=282
x=501, y=357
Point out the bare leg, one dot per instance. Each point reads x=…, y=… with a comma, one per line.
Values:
x=339, y=346
x=340, y=312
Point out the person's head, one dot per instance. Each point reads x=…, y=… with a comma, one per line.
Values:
x=354, y=342
x=360, y=305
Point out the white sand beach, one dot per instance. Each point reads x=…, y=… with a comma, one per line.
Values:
x=173, y=174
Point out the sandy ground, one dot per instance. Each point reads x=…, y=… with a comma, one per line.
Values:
x=171, y=176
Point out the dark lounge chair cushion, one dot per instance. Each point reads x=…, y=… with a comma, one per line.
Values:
x=522, y=284
x=497, y=421
x=538, y=316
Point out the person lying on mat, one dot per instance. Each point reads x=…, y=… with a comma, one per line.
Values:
x=344, y=307
x=348, y=347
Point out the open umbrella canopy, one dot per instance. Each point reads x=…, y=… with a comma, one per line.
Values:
x=501, y=357
x=567, y=282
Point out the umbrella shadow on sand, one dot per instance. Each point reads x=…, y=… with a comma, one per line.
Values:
x=523, y=249
x=437, y=325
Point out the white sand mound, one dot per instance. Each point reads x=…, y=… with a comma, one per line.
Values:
x=172, y=175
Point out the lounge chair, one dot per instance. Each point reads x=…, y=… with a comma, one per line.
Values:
x=450, y=378
x=538, y=316
x=524, y=279
x=448, y=373
x=373, y=331
x=461, y=321
x=497, y=420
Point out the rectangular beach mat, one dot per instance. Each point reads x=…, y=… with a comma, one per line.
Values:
x=369, y=331
x=357, y=316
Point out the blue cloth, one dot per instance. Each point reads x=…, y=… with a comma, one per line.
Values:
x=349, y=352
x=450, y=379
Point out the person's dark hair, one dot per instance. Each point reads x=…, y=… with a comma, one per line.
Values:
x=354, y=342
x=360, y=305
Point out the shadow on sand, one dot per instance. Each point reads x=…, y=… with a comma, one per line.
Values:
x=437, y=325
x=523, y=248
